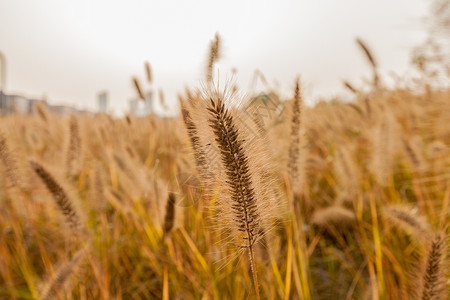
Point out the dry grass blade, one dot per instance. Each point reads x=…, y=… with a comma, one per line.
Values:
x=235, y=161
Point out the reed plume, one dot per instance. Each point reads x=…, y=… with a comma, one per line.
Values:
x=433, y=283
x=65, y=204
x=244, y=204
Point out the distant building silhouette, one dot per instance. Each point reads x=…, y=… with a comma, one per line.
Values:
x=102, y=101
x=149, y=103
x=19, y=104
x=141, y=108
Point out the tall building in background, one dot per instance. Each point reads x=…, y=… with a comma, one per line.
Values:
x=2, y=102
x=148, y=109
x=141, y=108
x=102, y=101
x=134, y=106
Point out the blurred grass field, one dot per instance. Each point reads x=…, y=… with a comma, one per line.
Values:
x=376, y=191
x=358, y=192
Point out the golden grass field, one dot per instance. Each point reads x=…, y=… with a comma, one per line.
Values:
x=335, y=201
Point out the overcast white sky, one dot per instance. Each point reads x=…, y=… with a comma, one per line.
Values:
x=71, y=50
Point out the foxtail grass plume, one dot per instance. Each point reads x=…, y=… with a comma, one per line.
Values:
x=346, y=173
x=243, y=203
x=198, y=148
x=407, y=219
x=74, y=148
x=8, y=161
x=356, y=108
x=169, y=219
x=336, y=216
x=294, y=166
x=42, y=112
x=371, y=60
x=138, y=88
x=350, y=87
x=162, y=100
x=433, y=280
x=54, y=286
x=213, y=56
x=65, y=204
x=148, y=72
x=385, y=140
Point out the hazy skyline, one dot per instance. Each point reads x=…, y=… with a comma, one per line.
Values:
x=71, y=50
